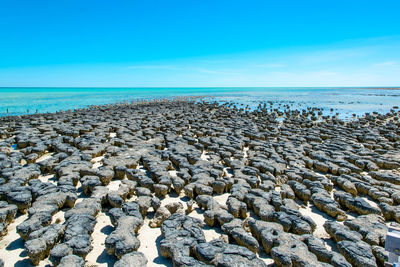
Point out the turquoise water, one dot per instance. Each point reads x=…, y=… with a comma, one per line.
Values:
x=346, y=101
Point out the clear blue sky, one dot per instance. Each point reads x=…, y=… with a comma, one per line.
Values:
x=199, y=43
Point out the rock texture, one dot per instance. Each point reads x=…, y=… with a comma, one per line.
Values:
x=271, y=180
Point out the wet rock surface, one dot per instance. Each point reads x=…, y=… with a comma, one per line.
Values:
x=288, y=188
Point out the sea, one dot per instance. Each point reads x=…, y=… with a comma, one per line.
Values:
x=345, y=101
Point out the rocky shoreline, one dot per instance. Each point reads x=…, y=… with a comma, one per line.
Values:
x=196, y=183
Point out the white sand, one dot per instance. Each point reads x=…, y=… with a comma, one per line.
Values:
x=47, y=178
x=245, y=149
x=149, y=243
x=97, y=162
x=267, y=259
x=58, y=217
x=114, y=185
x=221, y=199
x=44, y=157
x=228, y=172
x=318, y=217
x=150, y=237
x=98, y=256
x=172, y=173
x=203, y=155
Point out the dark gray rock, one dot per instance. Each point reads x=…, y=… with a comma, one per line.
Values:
x=115, y=200
x=359, y=254
x=380, y=254
x=7, y=212
x=71, y=261
x=245, y=239
x=236, y=207
x=180, y=234
x=80, y=244
x=89, y=183
x=58, y=252
x=33, y=223
x=356, y=204
x=300, y=190
x=132, y=259
x=219, y=253
x=42, y=241
x=372, y=227
x=317, y=246
x=341, y=232
x=88, y=206
x=325, y=203
x=142, y=191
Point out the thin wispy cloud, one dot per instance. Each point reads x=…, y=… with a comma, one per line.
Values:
x=218, y=71
x=153, y=67
x=385, y=64
x=203, y=70
x=271, y=65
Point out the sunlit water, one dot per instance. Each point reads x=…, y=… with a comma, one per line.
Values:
x=346, y=101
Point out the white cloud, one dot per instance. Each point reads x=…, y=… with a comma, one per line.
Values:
x=385, y=64
x=154, y=67
x=271, y=65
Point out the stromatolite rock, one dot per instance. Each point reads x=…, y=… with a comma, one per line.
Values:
x=58, y=252
x=123, y=239
x=390, y=212
x=132, y=259
x=160, y=216
x=372, y=227
x=41, y=241
x=22, y=198
x=385, y=176
x=341, y=232
x=127, y=222
x=71, y=261
x=88, y=206
x=33, y=223
x=89, y=183
x=300, y=190
x=181, y=234
x=359, y=254
x=144, y=203
x=7, y=212
x=219, y=253
x=236, y=207
x=293, y=221
x=356, y=204
x=114, y=199
x=289, y=250
x=160, y=190
x=380, y=254
x=317, y=246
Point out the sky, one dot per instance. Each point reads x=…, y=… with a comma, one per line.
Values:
x=192, y=43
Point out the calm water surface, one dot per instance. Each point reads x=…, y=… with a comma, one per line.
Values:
x=346, y=101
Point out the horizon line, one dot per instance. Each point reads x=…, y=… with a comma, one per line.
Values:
x=136, y=87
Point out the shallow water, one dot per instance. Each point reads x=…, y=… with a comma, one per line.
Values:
x=346, y=101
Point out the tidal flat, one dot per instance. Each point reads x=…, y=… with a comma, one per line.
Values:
x=189, y=182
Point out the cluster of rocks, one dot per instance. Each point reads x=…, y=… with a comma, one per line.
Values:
x=63, y=169
x=7, y=215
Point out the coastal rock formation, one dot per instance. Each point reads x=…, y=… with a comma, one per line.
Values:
x=225, y=185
